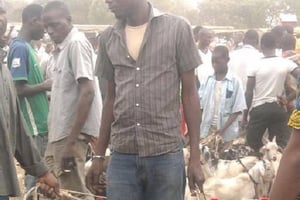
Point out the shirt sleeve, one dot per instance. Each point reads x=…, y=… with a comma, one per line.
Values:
x=251, y=68
x=291, y=65
x=18, y=63
x=81, y=59
x=239, y=102
x=187, y=54
x=104, y=67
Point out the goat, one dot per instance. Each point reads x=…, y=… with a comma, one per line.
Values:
x=240, y=187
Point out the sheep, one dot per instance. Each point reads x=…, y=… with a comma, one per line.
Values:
x=240, y=187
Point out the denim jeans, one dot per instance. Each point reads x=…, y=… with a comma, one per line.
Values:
x=41, y=144
x=4, y=198
x=130, y=177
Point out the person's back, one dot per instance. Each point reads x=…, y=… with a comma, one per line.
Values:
x=241, y=60
x=265, y=86
x=271, y=73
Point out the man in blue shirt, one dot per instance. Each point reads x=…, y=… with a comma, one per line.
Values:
x=222, y=99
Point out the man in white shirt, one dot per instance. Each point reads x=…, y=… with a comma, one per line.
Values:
x=205, y=69
x=241, y=60
x=265, y=84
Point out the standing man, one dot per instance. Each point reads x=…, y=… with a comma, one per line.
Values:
x=145, y=56
x=241, y=60
x=31, y=87
x=265, y=84
x=205, y=37
x=222, y=99
x=15, y=141
x=75, y=107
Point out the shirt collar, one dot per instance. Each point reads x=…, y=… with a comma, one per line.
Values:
x=120, y=24
x=248, y=46
x=229, y=76
x=62, y=45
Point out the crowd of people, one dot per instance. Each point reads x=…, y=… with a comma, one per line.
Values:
x=151, y=72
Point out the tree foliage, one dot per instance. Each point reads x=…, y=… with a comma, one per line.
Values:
x=240, y=14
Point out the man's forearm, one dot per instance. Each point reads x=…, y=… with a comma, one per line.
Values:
x=230, y=120
x=26, y=90
x=83, y=108
x=106, y=121
x=192, y=113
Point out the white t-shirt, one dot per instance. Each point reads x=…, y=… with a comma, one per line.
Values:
x=270, y=74
x=205, y=69
x=217, y=97
x=241, y=61
x=134, y=39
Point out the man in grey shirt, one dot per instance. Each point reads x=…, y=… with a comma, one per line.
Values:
x=145, y=57
x=75, y=106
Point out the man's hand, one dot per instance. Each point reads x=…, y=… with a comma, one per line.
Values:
x=47, y=84
x=93, y=180
x=219, y=131
x=195, y=174
x=68, y=157
x=49, y=185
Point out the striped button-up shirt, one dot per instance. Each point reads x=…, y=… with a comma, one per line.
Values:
x=146, y=108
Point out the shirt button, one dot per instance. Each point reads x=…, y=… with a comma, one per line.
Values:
x=128, y=56
x=137, y=85
x=138, y=124
x=137, y=105
x=138, y=69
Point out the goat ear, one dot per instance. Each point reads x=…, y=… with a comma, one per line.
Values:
x=265, y=139
x=274, y=139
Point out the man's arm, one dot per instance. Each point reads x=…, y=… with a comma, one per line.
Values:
x=249, y=95
x=92, y=178
x=28, y=156
x=230, y=120
x=85, y=100
x=26, y=90
x=191, y=109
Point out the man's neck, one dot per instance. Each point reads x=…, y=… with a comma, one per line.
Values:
x=24, y=34
x=203, y=49
x=220, y=75
x=140, y=16
x=269, y=52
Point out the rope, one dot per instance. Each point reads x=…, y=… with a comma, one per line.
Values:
x=251, y=178
x=199, y=193
x=63, y=192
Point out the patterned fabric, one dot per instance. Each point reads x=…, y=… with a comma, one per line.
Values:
x=295, y=119
x=147, y=100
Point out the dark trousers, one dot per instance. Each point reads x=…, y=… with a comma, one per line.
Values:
x=271, y=117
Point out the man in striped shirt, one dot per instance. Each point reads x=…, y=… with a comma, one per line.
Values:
x=145, y=57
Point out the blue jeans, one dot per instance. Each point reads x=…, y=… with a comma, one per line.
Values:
x=4, y=198
x=41, y=144
x=130, y=177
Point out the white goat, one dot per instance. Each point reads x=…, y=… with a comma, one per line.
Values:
x=240, y=187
